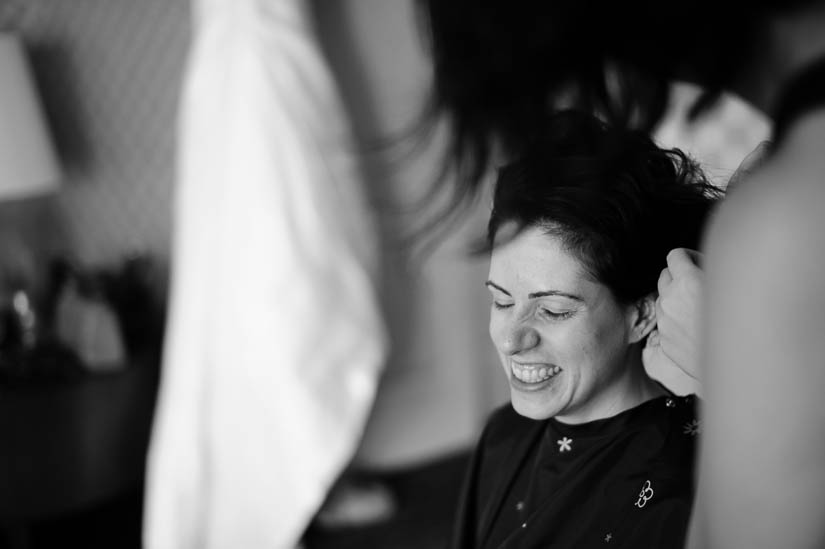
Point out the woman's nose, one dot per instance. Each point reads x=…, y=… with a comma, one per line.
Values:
x=517, y=338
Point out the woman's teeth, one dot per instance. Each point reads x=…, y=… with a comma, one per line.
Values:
x=533, y=374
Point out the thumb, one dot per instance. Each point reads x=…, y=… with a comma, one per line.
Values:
x=683, y=262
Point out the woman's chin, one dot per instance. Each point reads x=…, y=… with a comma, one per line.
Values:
x=538, y=400
x=532, y=407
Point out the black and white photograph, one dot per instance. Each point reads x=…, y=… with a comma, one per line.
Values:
x=412, y=274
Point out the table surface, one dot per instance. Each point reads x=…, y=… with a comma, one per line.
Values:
x=64, y=447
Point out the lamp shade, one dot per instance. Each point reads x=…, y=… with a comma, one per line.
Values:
x=28, y=165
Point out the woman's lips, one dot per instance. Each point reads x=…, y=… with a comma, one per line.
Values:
x=533, y=373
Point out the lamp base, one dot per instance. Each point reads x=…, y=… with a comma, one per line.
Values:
x=21, y=322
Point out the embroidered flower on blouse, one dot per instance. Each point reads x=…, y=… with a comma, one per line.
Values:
x=564, y=444
x=692, y=427
x=645, y=495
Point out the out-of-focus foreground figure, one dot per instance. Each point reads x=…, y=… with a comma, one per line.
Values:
x=275, y=340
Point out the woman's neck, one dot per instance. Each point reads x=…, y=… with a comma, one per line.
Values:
x=640, y=383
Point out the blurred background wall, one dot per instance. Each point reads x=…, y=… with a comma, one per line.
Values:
x=108, y=73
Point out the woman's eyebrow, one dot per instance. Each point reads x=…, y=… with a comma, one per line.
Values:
x=491, y=284
x=555, y=293
x=546, y=293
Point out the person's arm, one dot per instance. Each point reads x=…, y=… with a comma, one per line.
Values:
x=762, y=465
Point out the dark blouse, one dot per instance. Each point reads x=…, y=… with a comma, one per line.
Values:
x=623, y=481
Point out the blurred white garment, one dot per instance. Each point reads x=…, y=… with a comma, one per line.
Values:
x=275, y=339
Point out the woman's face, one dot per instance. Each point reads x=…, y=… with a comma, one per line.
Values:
x=563, y=339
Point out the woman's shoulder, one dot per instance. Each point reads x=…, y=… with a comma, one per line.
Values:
x=665, y=433
x=665, y=412
x=684, y=426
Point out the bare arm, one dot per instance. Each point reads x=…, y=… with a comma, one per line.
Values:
x=762, y=465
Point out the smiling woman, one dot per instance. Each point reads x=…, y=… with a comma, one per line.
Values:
x=591, y=449
x=567, y=345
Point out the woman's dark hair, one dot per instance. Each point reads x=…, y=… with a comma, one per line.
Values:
x=502, y=68
x=618, y=202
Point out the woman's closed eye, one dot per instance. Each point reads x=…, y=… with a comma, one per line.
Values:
x=543, y=312
x=554, y=315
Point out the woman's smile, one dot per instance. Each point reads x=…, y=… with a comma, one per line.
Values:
x=533, y=375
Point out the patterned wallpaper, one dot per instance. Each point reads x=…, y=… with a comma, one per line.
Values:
x=109, y=74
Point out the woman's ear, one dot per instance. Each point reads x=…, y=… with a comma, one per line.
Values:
x=642, y=318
